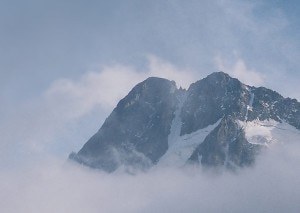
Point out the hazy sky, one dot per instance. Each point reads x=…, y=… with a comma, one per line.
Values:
x=42, y=41
x=65, y=64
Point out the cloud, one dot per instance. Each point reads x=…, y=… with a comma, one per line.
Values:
x=72, y=110
x=246, y=75
x=160, y=68
x=239, y=70
x=54, y=186
x=104, y=88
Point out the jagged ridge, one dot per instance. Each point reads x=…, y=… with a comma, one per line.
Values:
x=137, y=134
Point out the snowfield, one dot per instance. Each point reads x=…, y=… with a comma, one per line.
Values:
x=269, y=131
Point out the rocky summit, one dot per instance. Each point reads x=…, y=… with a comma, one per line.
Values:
x=217, y=122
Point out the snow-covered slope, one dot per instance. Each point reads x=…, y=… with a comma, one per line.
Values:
x=181, y=147
x=268, y=132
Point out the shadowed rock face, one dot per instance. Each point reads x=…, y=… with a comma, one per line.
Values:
x=212, y=98
x=271, y=105
x=136, y=132
x=226, y=146
x=135, y=135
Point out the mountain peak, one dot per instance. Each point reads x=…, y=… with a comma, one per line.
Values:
x=204, y=124
x=157, y=80
x=154, y=85
x=219, y=77
x=219, y=74
x=216, y=81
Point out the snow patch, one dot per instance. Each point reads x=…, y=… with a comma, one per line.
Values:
x=176, y=123
x=249, y=106
x=269, y=131
x=181, y=147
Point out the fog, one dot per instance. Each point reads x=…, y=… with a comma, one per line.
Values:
x=272, y=185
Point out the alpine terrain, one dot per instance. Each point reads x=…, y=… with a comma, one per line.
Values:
x=217, y=122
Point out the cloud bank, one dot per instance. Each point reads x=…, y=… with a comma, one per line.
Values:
x=109, y=84
x=240, y=71
x=271, y=186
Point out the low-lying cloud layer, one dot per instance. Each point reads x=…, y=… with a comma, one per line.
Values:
x=273, y=185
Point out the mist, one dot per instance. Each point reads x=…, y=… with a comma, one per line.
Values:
x=272, y=185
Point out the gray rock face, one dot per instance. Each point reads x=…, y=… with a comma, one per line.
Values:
x=226, y=146
x=136, y=132
x=270, y=105
x=135, y=135
x=212, y=98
